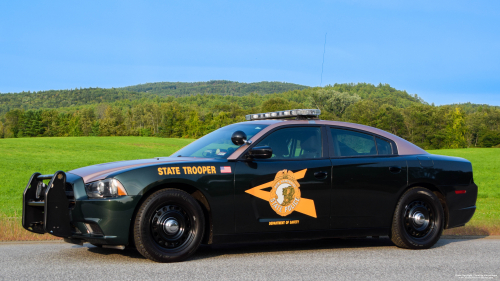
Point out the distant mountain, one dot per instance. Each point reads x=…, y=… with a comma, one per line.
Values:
x=186, y=93
x=221, y=87
x=382, y=93
x=78, y=97
x=65, y=98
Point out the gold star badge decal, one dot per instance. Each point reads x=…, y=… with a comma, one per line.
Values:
x=285, y=196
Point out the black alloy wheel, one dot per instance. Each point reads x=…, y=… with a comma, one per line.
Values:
x=169, y=226
x=418, y=219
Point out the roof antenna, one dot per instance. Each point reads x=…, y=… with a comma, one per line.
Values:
x=324, y=49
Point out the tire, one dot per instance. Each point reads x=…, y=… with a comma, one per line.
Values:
x=169, y=226
x=418, y=219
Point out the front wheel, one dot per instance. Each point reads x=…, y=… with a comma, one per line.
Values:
x=418, y=219
x=169, y=226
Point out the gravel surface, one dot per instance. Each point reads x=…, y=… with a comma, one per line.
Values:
x=333, y=259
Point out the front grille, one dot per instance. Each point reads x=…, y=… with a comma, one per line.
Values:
x=75, y=229
x=69, y=192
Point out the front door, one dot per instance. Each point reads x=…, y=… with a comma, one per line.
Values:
x=290, y=190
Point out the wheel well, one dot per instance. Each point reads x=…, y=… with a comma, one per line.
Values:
x=439, y=194
x=197, y=195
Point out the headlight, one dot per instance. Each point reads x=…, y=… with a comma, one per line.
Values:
x=105, y=188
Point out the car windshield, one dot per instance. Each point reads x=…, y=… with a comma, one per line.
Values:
x=218, y=144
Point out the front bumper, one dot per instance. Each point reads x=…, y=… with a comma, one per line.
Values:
x=64, y=210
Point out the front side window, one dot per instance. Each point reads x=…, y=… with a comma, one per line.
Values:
x=295, y=143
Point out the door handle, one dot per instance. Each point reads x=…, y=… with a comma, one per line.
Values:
x=395, y=169
x=320, y=175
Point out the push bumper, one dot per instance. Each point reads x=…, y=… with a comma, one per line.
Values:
x=46, y=207
x=64, y=210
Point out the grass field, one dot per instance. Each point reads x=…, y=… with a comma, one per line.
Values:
x=19, y=158
x=486, y=169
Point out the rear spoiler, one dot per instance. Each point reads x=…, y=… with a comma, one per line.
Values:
x=46, y=207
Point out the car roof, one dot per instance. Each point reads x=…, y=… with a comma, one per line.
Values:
x=404, y=147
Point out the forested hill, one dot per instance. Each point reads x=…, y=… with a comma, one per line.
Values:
x=65, y=98
x=92, y=96
x=197, y=109
x=78, y=97
x=221, y=87
x=383, y=93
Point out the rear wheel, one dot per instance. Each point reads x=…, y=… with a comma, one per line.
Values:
x=169, y=226
x=418, y=220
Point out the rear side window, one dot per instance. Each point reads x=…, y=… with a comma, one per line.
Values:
x=351, y=143
x=384, y=147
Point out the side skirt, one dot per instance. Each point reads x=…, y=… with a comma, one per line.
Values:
x=299, y=235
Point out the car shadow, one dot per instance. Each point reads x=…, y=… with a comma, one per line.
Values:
x=212, y=251
x=207, y=251
x=128, y=252
x=448, y=239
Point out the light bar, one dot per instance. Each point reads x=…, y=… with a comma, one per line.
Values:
x=299, y=113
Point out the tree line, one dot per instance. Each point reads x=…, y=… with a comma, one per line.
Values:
x=381, y=106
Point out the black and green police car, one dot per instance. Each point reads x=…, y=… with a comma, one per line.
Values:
x=281, y=175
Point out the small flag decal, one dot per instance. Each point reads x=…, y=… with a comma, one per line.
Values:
x=225, y=169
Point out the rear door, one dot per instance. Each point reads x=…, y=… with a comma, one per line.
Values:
x=367, y=174
x=290, y=190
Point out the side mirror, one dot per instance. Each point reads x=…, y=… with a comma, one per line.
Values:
x=239, y=138
x=261, y=152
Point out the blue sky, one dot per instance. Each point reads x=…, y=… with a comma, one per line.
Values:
x=444, y=51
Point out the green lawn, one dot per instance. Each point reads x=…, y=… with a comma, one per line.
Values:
x=19, y=158
x=486, y=169
x=485, y=166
